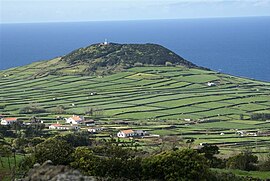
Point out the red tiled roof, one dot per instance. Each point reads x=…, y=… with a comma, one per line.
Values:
x=128, y=131
x=76, y=118
x=10, y=119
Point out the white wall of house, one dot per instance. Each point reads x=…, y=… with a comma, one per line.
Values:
x=124, y=135
x=5, y=122
x=121, y=135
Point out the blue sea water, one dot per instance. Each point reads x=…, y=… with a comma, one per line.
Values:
x=238, y=46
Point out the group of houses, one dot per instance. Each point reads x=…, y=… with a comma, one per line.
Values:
x=74, y=123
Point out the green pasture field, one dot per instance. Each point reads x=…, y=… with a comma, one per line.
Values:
x=254, y=174
x=159, y=99
x=8, y=166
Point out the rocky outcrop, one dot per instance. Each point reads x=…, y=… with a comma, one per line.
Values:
x=48, y=171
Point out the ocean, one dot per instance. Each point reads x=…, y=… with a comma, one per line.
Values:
x=237, y=46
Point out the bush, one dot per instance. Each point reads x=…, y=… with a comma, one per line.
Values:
x=243, y=161
x=265, y=164
x=56, y=150
x=260, y=116
x=184, y=164
x=76, y=139
x=110, y=163
x=223, y=176
x=209, y=152
x=31, y=110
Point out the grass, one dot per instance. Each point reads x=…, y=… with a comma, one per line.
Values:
x=5, y=172
x=151, y=96
x=254, y=174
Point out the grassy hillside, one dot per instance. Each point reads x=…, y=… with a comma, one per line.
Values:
x=100, y=59
x=140, y=93
x=165, y=100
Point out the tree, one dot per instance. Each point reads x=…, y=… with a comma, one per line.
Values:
x=265, y=164
x=60, y=109
x=57, y=150
x=7, y=151
x=85, y=160
x=35, y=129
x=19, y=144
x=108, y=161
x=241, y=116
x=17, y=126
x=260, y=116
x=76, y=139
x=186, y=164
x=243, y=161
x=31, y=109
x=2, y=144
x=209, y=152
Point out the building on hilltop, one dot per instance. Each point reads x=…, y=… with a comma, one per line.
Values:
x=104, y=43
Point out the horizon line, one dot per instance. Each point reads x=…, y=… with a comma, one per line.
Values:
x=123, y=20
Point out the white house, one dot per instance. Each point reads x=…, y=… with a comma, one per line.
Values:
x=210, y=84
x=63, y=127
x=131, y=133
x=125, y=133
x=8, y=121
x=75, y=119
x=54, y=126
x=95, y=129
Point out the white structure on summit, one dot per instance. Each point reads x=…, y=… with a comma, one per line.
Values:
x=105, y=42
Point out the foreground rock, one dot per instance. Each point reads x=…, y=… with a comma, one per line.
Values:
x=48, y=171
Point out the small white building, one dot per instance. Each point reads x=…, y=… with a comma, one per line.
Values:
x=63, y=127
x=54, y=126
x=95, y=129
x=8, y=121
x=251, y=134
x=210, y=84
x=74, y=120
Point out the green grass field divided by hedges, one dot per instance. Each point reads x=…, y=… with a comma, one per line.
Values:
x=153, y=95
